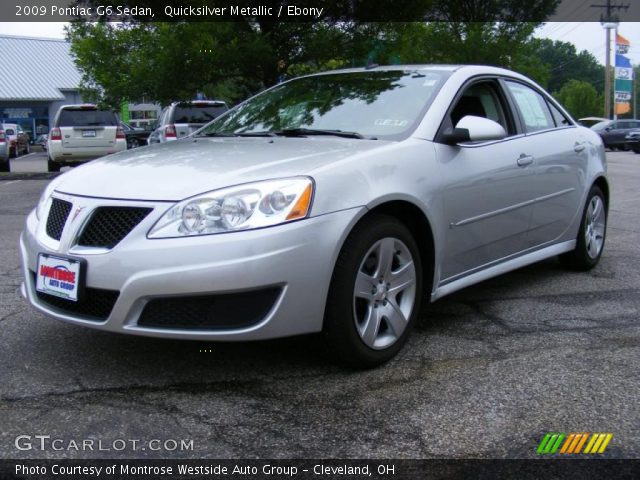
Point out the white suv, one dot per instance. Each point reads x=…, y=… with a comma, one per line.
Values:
x=183, y=118
x=81, y=133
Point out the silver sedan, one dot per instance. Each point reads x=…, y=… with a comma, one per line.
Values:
x=331, y=203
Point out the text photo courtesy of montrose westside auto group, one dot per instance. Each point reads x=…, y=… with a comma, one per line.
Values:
x=319, y=239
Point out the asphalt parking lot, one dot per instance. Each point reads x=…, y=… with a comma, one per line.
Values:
x=488, y=371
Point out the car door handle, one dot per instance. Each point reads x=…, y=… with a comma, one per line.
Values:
x=525, y=160
x=578, y=147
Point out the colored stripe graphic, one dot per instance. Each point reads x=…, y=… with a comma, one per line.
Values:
x=581, y=443
x=550, y=443
x=574, y=442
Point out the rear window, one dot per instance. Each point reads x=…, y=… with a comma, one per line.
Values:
x=87, y=118
x=197, y=113
x=10, y=131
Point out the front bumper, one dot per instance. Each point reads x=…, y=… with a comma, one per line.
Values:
x=297, y=258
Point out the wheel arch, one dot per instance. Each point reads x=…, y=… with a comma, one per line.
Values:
x=602, y=183
x=418, y=223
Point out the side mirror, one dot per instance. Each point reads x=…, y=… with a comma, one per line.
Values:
x=475, y=129
x=607, y=129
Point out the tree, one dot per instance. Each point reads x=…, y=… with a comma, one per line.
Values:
x=580, y=98
x=230, y=60
x=564, y=63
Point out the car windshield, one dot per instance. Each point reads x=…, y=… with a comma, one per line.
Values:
x=380, y=104
x=86, y=118
x=188, y=113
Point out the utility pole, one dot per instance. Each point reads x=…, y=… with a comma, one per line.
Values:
x=609, y=21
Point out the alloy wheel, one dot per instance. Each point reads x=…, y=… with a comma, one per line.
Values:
x=385, y=293
x=594, y=227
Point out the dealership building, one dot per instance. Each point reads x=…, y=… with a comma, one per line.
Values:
x=37, y=76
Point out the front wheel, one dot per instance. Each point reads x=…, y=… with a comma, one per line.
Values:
x=592, y=233
x=375, y=293
x=134, y=143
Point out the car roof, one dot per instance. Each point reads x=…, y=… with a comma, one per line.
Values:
x=210, y=102
x=80, y=106
x=471, y=70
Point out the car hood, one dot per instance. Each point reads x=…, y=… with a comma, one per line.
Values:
x=183, y=168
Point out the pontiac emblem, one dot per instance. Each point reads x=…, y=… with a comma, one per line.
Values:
x=76, y=213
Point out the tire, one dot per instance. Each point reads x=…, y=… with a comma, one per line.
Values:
x=378, y=247
x=636, y=149
x=27, y=149
x=5, y=166
x=133, y=143
x=53, y=166
x=13, y=152
x=592, y=234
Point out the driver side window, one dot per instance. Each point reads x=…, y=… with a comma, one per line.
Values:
x=482, y=100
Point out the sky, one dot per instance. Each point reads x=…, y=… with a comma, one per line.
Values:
x=588, y=36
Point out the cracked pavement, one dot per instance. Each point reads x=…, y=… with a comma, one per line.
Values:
x=487, y=372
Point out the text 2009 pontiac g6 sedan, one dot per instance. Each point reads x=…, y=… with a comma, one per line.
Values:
x=331, y=203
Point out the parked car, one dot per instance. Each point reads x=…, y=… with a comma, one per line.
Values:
x=17, y=139
x=42, y=141
x=81, y=133
x=633, y=141
x=135, y=136
x=329, y=203
x=613, y=132
x=183, y=118
x=591, y=121
x=5, y=157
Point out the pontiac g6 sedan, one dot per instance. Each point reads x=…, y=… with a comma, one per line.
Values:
x=331, y=203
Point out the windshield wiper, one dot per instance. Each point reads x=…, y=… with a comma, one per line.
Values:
x=303, y=132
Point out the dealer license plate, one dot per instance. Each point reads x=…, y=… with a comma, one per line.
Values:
x=88, y=133
x=58, y=276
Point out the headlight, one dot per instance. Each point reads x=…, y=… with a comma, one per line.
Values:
x=244, y=207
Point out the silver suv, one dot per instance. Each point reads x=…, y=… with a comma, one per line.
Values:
x=183, y=118
x=81, y=133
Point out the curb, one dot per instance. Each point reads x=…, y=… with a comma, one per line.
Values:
x=28, y=176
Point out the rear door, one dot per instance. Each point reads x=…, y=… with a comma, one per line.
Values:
x=87, y=128
x=189, y=117
x=560, y=153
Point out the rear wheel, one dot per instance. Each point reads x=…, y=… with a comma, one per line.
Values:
x=636, y=149
x=53, y=166
x=27, y=149
x=134, y=143
x=592, y=233
x=375, y=293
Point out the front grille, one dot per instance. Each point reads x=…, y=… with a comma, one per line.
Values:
x=109, y=225
x=96, y=304
x=210, y=312
x=57, y=218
